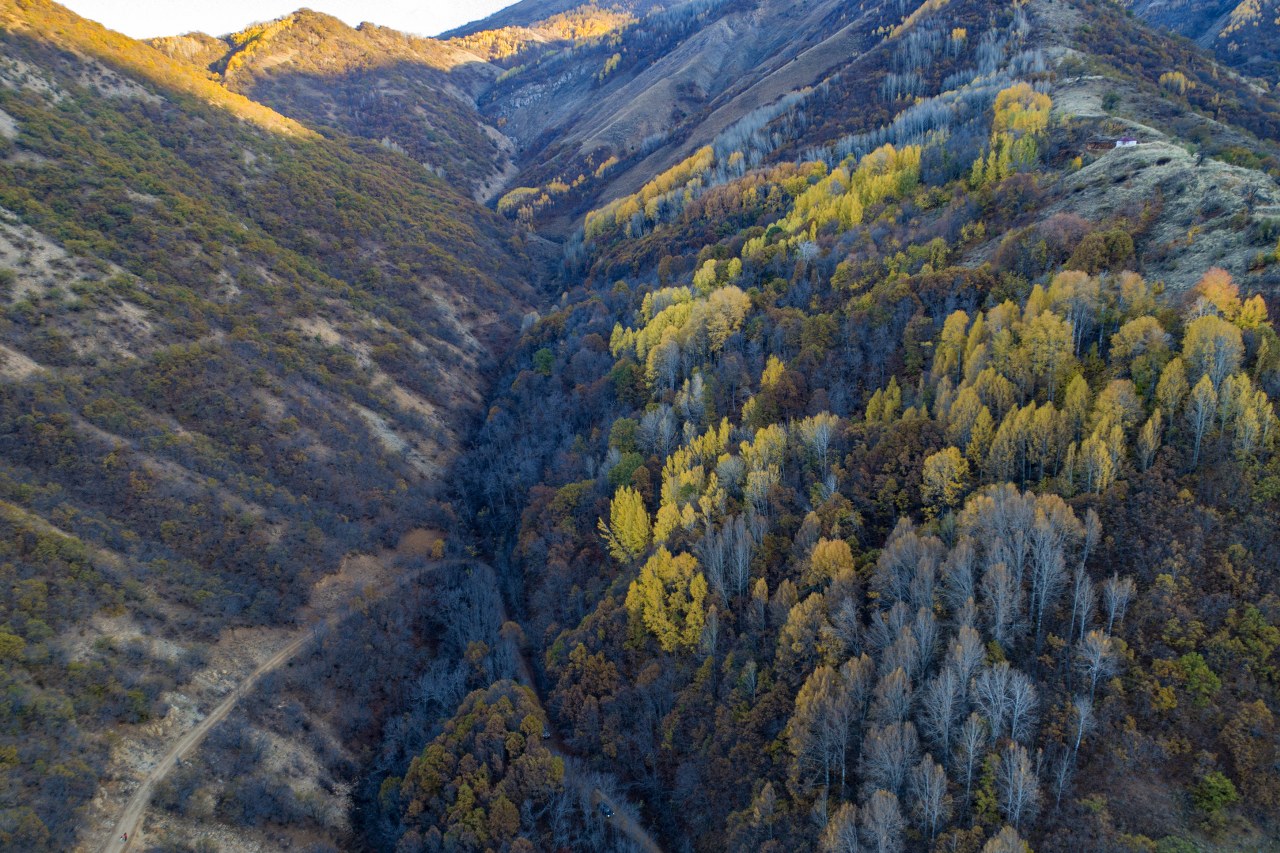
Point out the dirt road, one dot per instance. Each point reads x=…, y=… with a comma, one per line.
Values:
x=131, y=819
x=130, y=822
x=127, y=827
x=621, y=820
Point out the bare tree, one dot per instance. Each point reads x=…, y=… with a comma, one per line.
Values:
x=1060, y=771
x=891, y=702
x=847, y=622
x=739, y=548
x=1016, y=785
x=1081, y=721
x=657, y=430
x=925, y=630
x=882, y=823
x=905, y=552
x=885, y=626
x=1002, y=519
x=1200, y=412
x=903, y=654
x=1117, y=592
x=821, y=726
x=1023, y=701
x=1092, y=533
x=858, y=675
x=992, y=692
x=1054, y=530
x=816, y=434
x=940, y=708
x=922, y=592
x=929, y=790
x=888, y=753
x=967, y=615
x=1082, y=603
x=712, y=553
x=969, y=749
x=1002, y=597
x=957, y=574
x=965, y=653
x=1096, y=657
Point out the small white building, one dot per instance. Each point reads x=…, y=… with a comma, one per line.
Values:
x=1127, y=142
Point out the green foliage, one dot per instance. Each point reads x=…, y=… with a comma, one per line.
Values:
x=1197, y=679
x=1213, y=794
x=1173, y=844
x=1102, y=252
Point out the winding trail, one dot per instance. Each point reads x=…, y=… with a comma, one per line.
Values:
x=127, y=827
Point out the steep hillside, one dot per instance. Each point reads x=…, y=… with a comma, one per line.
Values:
x=233, y=351
x=1244, y=35
x=767, y=79
x=605, y=117
x=898, y=471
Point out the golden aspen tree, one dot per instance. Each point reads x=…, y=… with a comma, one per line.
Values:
x=945, y=477
x=668, y=599
x=1149, y=439
x=628, y=530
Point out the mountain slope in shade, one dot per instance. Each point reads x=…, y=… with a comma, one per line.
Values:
x=1250, y=39
x=1244, y=35
x=1194, y=19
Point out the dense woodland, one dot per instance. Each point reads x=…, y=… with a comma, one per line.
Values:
x=909, y=556
x=828, y=539
x=855, y=488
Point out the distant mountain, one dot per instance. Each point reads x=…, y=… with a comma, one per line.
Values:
x=380, y=84
x=1244, y=35
x=531, y=14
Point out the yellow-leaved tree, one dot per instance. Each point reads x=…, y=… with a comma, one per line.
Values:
x=627, y=532
x=946, y=475
x=669, y=598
